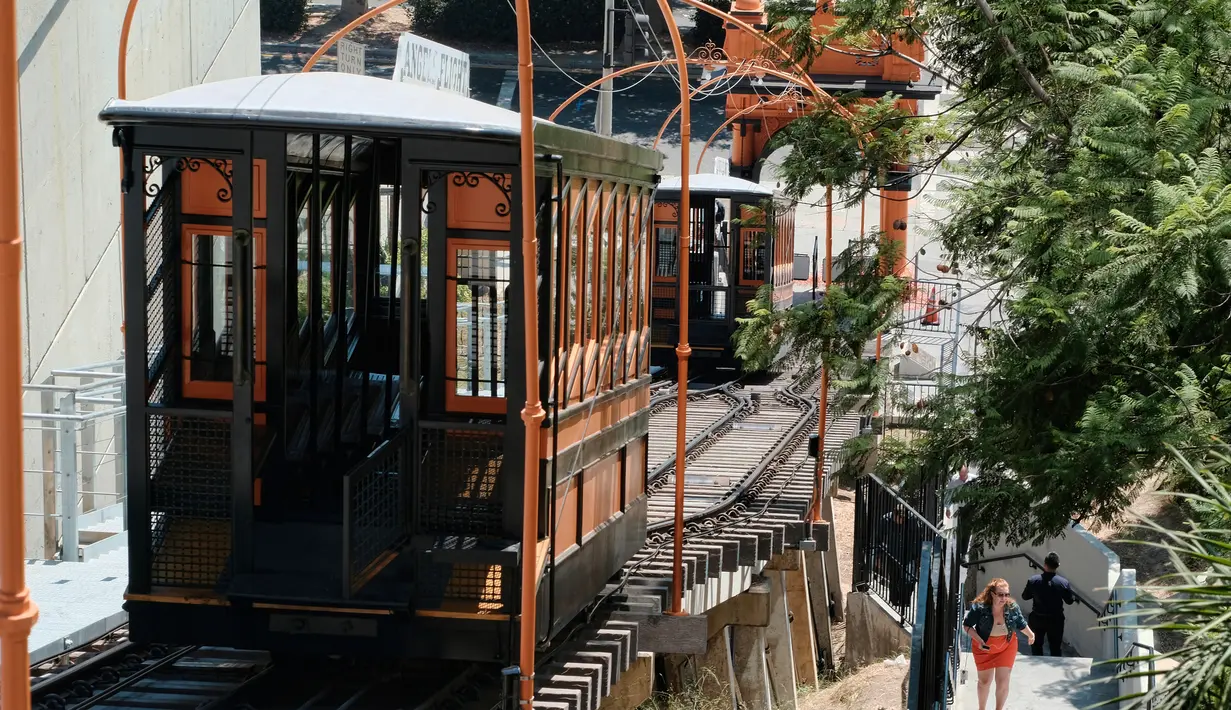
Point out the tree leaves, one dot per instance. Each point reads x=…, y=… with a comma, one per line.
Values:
x=1106, y=210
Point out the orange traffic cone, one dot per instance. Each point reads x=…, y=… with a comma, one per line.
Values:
x=932, y=316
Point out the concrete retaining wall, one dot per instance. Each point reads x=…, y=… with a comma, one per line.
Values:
x=68, y=57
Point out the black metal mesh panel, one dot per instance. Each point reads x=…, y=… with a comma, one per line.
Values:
x=479, y=587
x=460, y=489
x=190, y=499
x=160, y=313
x=752, y=259
x=375, y=515
x=666, y=245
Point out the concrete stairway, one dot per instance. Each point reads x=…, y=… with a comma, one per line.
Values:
x=1044, y=683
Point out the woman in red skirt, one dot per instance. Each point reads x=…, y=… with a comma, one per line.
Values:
x=993, y=623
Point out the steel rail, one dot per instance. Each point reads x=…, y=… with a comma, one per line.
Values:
x=742, y=406
x=756, y=479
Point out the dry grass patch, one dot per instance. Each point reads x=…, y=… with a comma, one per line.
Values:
x=875, y=687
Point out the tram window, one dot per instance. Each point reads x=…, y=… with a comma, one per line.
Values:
x=209, y=337
x=572, y=277
x=604, y=281
x=478, y=291
x=668, y=242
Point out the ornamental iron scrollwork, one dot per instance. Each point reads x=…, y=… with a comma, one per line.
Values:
x=709, y=54
x=501, y=181
x=431, y=177
x=154, y=162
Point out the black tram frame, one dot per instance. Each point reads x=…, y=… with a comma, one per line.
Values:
x=408, y=538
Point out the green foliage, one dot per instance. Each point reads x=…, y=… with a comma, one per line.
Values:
x=494, y=20
x=283, y=15
x=833, y=330
x=1196, y=599
x=1096, y=203
x=708, y=28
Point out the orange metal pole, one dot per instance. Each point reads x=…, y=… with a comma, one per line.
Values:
x=727, y=17
x=122, y=93
x=316, y=56
x=863, y=216
x=682, y=351
x=532, y=415
x=17, y=611
x=124, y=29
x=824, y=395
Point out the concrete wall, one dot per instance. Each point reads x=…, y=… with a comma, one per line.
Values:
x=68, y=58
x=1122, y=641
x=1091, y=567
x=872, y=633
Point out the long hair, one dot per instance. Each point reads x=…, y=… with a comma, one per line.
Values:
x=985, y=596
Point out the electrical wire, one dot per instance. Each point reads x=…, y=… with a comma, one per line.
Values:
x=661, y=54
x=570, y=77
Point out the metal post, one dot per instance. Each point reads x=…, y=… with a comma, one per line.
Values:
x=533, y=414
x=603, y=119
x=816, y=266
x=683, y=350
x=957, y=329
x=67, y=463
x=18, y=612
x=89, y=460
x=51, y=530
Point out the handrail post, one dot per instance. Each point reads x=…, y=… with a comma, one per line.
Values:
x=68, y=479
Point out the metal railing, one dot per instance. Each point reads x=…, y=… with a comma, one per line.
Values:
x=889, y=533
x=934, y=649
x=80, y=475
x=904, y=403
x=375, y=516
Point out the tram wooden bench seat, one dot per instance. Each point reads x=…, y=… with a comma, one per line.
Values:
x=374, y=420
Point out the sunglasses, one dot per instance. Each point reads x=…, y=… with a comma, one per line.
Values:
x=1001, y=594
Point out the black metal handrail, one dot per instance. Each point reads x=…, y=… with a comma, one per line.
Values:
x=1037, y=565
x=885, y=547
x=380, y=482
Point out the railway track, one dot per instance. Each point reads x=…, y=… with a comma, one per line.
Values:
x=710, y=412
x=749, y=484
x=131, y=677
x=749, y=488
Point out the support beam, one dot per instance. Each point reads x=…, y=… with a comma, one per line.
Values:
x=751, y=670
x=818, y=601
x=779, y=658
x=635, y=686
x=803, y=637
x=833, y=579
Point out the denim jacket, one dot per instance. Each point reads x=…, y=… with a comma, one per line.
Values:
x=981, y=619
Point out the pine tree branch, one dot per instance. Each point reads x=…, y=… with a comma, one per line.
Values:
x=1018, y=62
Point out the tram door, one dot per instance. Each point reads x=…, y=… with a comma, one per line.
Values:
x=466, y=321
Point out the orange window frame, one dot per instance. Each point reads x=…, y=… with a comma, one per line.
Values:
x=464, y=403
x=209, y=389
x=746, y=235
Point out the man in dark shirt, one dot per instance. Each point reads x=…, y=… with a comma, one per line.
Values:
x=1050, y=593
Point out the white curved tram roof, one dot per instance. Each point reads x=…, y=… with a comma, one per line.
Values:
x=332, y=101
x=322, y=98
x=712, y=184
